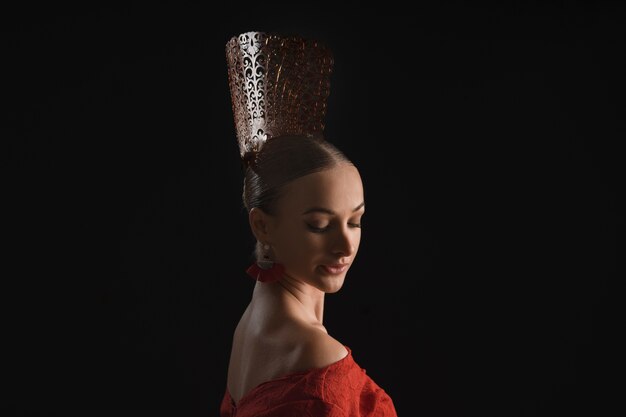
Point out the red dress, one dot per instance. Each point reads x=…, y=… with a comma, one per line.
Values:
x=341, y=389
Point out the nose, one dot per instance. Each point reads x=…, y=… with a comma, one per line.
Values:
x=345, y=242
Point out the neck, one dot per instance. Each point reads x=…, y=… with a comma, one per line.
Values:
x=297, y=297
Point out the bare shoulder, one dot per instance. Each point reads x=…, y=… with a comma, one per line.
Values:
x=318, y=350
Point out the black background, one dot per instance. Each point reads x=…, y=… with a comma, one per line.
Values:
x=489, y=138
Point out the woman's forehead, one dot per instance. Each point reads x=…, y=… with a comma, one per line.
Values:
x=337, y=189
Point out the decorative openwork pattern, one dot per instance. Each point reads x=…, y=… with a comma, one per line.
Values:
x=278, y=85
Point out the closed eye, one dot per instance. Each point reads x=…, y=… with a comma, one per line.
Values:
x=315, y=229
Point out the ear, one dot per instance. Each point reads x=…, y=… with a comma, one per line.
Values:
x=261, y=224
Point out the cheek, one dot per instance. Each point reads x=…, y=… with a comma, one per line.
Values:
x=301, y=246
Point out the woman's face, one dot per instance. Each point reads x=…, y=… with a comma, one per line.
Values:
x=317, y=228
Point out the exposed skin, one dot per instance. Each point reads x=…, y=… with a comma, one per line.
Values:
x=282, y=329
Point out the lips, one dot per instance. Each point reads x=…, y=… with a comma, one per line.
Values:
x=335, y=269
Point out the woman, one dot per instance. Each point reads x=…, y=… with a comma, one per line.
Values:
x=305, y=202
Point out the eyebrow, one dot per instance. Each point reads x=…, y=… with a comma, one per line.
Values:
x=328, y=211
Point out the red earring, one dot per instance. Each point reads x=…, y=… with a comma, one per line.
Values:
x=266, y=270
x=271, y=274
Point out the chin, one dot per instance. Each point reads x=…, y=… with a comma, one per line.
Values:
x=331, y=289
x=331, y=283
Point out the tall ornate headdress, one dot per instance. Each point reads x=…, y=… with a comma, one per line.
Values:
x=278, y=85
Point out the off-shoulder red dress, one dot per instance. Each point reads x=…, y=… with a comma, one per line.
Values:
x=342, y=389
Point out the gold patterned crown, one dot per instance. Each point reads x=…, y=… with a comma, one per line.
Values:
x=278, y=86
